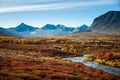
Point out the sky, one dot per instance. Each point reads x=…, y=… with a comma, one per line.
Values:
x=37, y=13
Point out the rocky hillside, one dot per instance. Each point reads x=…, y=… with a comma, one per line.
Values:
x=109, y=21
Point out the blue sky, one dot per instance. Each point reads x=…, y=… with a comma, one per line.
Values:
x=37, y=13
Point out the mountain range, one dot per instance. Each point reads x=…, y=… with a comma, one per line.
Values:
x=47, y=30
x=58, y=27
x=108, y=22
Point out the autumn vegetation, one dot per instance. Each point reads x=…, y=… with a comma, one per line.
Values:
x=41, y=58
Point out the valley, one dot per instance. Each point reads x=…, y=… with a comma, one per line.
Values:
x=42, y=59
x=57, y=52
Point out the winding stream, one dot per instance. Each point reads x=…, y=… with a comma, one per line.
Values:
x=95, y=65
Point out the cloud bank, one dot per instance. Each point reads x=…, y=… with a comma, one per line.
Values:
x=7, y=6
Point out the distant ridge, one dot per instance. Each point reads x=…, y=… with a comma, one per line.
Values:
x=23, y=28
x=81, y=28
x=4, y=32
x=57, y=27
x=47, y=30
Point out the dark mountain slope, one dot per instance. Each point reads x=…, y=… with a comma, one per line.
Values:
x=107, y=21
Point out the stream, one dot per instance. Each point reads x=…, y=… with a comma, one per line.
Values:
x=106, y=68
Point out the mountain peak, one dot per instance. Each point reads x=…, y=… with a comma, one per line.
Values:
x=23, y=28
x=113, y=11
x=84, y=25
x=81, y=28
x=23, y=24
x=49, y=27
x=107, y=21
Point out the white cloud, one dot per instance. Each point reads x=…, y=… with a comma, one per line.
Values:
x=54, y=5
